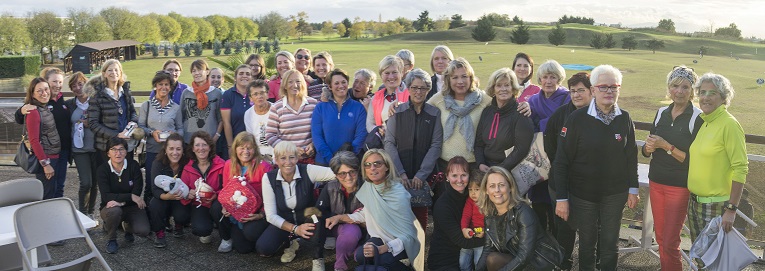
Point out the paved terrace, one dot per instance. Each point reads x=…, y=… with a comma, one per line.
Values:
x=188, y=253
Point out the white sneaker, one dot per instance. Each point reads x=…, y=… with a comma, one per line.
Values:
x=289, y=253
x=225, y=246
x=330, y=243
x=205, y=239
x=318, y=265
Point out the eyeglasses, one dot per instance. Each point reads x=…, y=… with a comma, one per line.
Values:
x=606, y=88
x=578, y=91
x=419, y=89
x=306, y=57
x=255, y=66
x=707, y=93
x=173, y=70
x=347, y=173
x=118, y=149
x=375, y=164
x=255, y=94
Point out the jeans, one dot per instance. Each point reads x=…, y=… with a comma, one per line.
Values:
x=49, y=185
x=469, y=258
x=273, y=239
x=86, y=170
x=386, y=260
x=244, y=239
x=669, y=205
x=588, y=217
x=60, y=168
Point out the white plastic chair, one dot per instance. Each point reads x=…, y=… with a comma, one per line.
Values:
x=52, y=220
x=16, y=192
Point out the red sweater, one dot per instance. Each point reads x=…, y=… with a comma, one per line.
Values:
x=33, y=132
x=471, y=216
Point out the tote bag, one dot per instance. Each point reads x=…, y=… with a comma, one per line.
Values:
x=534, y=168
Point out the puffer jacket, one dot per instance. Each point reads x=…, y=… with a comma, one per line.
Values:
x=103, y=112
x=524, y=240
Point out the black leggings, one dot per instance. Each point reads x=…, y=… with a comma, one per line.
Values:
x=161, y=210
x=244, y=239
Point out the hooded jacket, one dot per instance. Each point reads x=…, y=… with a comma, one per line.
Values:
x=214, y=178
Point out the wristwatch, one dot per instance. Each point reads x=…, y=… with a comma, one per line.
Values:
x=671, y=149
x=731, y=206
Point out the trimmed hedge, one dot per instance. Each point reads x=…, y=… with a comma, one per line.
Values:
x=18, y=66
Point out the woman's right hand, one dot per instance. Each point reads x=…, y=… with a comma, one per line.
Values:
x=26, y=108
x=333, y=221
x=112, y=203
x=155, y=135
x=483, y=168
x=49, y=172
x=224, y=212
x=305, y=230
x=561, y=209
x=466, y=233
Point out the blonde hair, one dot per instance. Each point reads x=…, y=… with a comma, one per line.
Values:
x=442, y=49
x=285, y=148
x=285, y=84
x=487, y=207
x=453, y=66
x=390, y=177
x=391, y=60
x=243, y=139
x=109, y=63
x=678, y=75
x=498, y=75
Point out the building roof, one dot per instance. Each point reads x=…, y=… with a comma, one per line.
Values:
x=103, y=45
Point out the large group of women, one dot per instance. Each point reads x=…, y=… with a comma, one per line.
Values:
x=355, y=168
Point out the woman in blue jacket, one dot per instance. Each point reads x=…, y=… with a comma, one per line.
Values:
x=338, y=122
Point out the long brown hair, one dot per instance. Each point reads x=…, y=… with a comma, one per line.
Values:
x=31, y=89
x=242, y=139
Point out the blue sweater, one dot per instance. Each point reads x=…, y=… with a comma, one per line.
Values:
x=331, y=129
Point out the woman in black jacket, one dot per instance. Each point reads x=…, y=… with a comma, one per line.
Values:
x=501, y=127
x=514, y=237
x=111, y=108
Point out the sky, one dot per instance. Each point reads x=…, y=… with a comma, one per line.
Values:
x=689, y=16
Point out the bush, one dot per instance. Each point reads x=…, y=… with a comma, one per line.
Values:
x=154, y=50
x=597, y=41
x=198, y=48
x=217, y=46
x=520, y=34
x=167, y=49
x=237, y=47
x=267, y=47
x=18, y=66
x=176, y=50
x=276, y=46
x=258, y=45
x=247, y=47
x=227, y=49
x=484, y=31
x=187, y=49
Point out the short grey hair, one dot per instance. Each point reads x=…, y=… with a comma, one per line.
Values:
x=418, y=74
x=406, y=56
x=368, y=74
x=286, y=54
x=721, y=83
x=603, y=70
x=553, y=67
x=344, y=158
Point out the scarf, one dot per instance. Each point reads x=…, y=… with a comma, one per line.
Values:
x=460, y=114
x=391, y=209
x=542, y=108
x=79, y=128
x=199, y=91
x=606, y=118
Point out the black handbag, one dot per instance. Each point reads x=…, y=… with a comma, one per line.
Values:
x=25, y=158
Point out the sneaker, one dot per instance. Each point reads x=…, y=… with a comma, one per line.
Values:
x=318, y=265
x=205, y=239
x=159, y=241
x=225, y=246
x=112, y=247
x=129, y=237
x=58, y=243
x=330, y=243
x=289, y=252
x=178, y=232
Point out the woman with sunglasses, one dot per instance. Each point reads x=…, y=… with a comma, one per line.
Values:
x=595, y=170
x=392, y=227
x=339, y=198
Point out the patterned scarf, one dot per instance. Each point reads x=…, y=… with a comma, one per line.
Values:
x=460, y=114
x=199, y=91
x=606, y=118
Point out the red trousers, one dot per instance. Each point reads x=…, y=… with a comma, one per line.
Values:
x=670, y=206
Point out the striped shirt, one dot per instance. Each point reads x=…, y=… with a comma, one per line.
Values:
x=293, y=125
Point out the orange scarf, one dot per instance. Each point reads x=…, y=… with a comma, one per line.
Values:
x=199, y=91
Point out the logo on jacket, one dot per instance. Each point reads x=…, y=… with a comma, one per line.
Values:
x=618, y=137
x=563, y=132
x=350, y=114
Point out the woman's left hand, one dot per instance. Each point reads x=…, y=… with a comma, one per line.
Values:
x=727, y=220
x=524, y=109
x=369, y=249
x=632, y=200
x=415, y=183
x=309, y=151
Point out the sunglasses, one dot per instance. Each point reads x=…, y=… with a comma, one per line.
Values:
x=375, y=164
x=306, y=57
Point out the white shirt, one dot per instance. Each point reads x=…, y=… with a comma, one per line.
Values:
x=256, y=124
x=440, y=83
x=119, y=173
x=317, y=174
x=111, y=93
